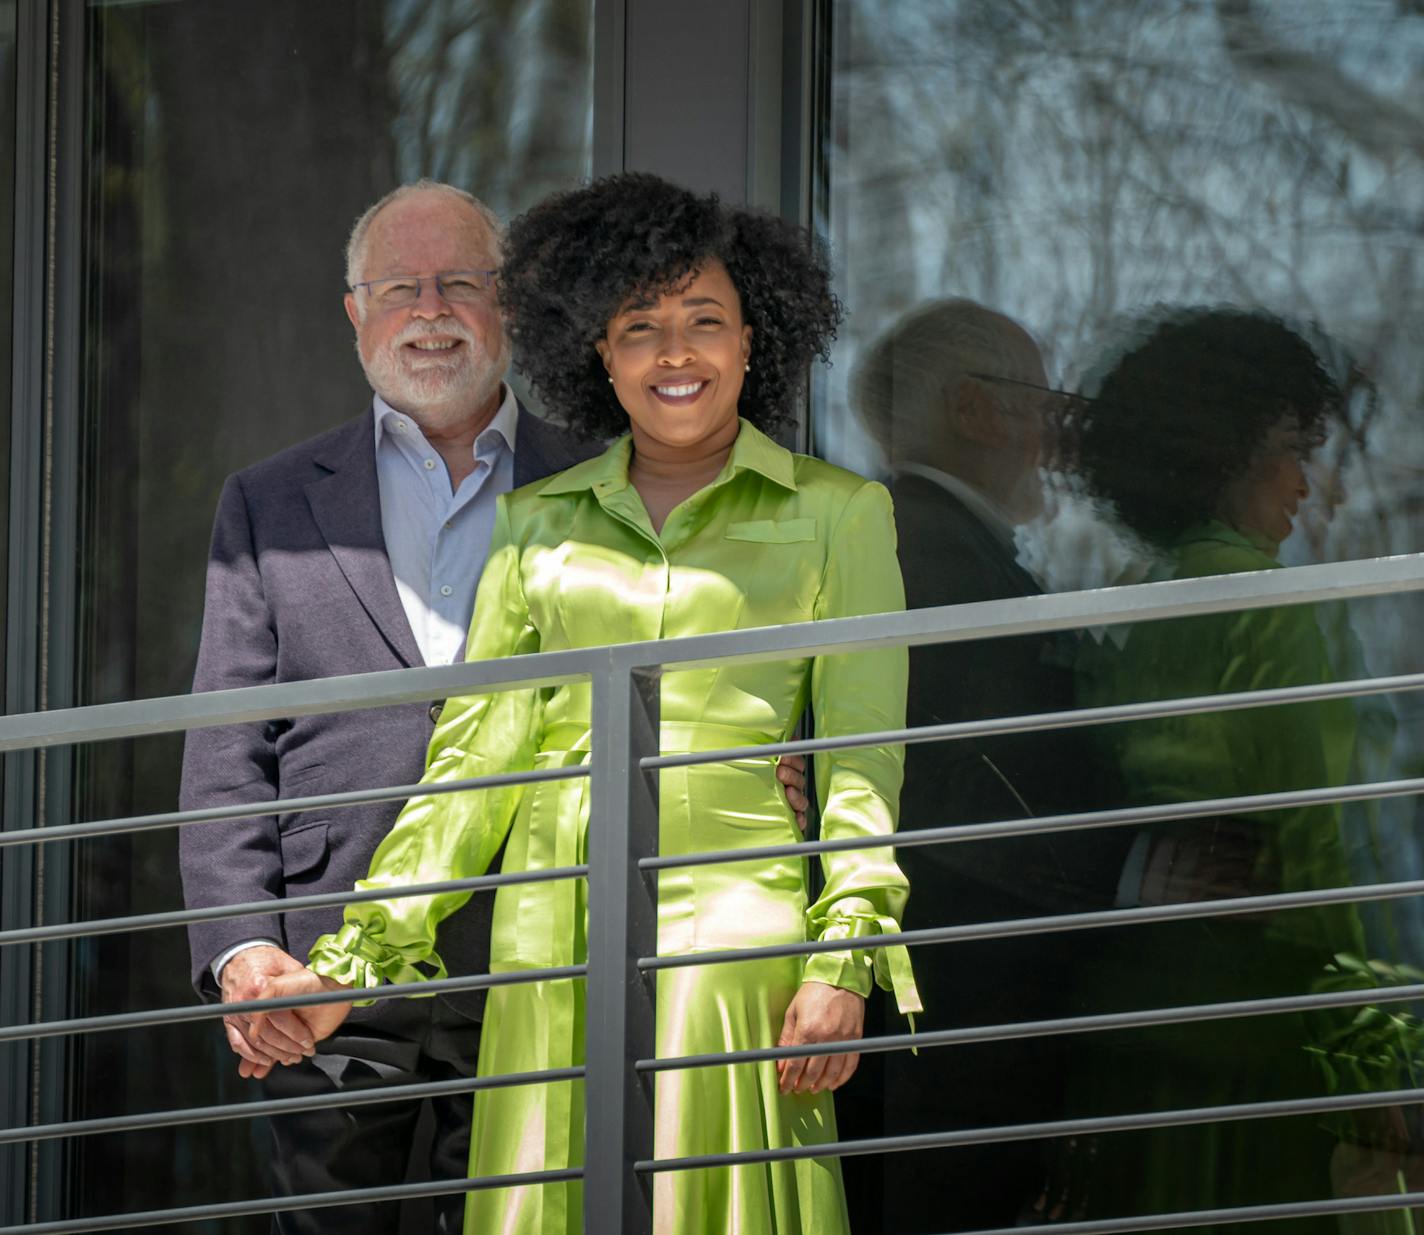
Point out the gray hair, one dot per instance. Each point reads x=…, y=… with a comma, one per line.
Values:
x=356, y=244
x=909, y=374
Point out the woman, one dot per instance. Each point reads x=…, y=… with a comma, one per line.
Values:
x=637, y=305
x=1197, y=439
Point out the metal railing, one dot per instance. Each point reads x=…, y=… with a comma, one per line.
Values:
x=623, y=864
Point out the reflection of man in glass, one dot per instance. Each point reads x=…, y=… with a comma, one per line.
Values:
x=1195, y=438
x=954, y=393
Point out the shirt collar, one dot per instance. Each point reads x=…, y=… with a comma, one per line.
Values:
x=504, y=425
x=608, y=472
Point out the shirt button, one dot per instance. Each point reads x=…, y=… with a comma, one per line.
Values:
x=449, y=523
x=447, y=590
x=430, y=465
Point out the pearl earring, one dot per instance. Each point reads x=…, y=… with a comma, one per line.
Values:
x=747, y=367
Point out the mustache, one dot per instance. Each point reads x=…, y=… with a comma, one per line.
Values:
x=417, y=330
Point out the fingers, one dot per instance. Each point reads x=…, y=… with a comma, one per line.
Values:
x=840, y=1070
x=270, y=1043
x=789, y=1071
x=253, y=1062
x=247, y=1051
x=793, y=1073
x=820, y=1013
x=820, y=1073
x=814, y=1073
x=791, y=773
x=284, y=1035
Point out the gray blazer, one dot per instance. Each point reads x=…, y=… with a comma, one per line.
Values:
x=299, y=587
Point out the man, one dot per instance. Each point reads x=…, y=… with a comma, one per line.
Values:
x=357, y=551
x=955, y=395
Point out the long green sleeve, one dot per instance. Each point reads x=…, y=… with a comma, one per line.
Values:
x=451, y=835
x=859, y=789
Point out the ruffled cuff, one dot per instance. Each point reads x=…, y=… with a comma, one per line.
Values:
x=889, y=967
x=354, y=958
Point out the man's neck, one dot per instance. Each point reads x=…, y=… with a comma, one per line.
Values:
x=454, y=438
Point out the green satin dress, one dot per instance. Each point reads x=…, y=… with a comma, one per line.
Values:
x=575, y=563
x=1209, y=755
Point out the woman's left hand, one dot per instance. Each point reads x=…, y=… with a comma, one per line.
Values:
x=820, y=1013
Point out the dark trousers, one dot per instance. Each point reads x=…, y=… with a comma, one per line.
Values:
x=413, y=1041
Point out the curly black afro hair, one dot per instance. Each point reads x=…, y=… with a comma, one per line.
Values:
x=1186, y=408
x=574, y=260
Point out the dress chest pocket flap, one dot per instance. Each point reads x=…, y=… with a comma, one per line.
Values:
x=772, y=531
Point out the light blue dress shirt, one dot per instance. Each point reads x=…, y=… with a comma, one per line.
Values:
x=437, y=538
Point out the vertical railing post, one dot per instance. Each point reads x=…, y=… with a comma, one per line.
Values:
x=622, y=926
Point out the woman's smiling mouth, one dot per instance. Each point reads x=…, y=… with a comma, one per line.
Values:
x=678, y=393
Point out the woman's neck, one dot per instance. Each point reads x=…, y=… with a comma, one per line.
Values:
x=666, y=475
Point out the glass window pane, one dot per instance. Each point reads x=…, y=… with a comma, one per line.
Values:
x=7, y=226
x=233, y=144
x=1133, y=295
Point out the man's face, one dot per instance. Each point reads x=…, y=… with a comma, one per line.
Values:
x=436, y=361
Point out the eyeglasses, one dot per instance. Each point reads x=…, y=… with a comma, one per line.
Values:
x=455, y=286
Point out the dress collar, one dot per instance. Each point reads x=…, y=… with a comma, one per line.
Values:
x=608, y=472
x=1215, y=529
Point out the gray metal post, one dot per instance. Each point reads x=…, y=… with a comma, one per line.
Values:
x=622, y=926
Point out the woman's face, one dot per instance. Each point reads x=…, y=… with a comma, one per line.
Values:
x=1263, y=500
x=677, y=364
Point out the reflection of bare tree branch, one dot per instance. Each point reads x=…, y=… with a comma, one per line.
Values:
x=1379, y=125
x=1070, y=160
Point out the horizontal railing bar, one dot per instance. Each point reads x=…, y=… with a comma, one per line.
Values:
x=354, y=692
x=284, y=906
x=282, y=806
x=1028, y=723
x=1026, y=615
x=1038, y=722
x=1074, y=821
x=1267, y=1212
x=1095, y=1126
x=912, y=628
x=1012, y=928
x=1147, y=1018
x=290, y=1204
x=285, y=1106
x=203, y=1012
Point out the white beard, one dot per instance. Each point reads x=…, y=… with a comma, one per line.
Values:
x=436, y=394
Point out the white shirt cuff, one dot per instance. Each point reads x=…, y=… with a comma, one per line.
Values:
x=222, y=960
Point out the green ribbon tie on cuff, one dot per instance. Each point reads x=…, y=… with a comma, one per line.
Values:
x=392, y=964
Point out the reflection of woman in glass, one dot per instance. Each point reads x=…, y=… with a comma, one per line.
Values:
x=637, y=305
x=1196, y=440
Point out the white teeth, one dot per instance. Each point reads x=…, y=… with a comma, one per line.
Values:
x=677, y=392
x=433, y=345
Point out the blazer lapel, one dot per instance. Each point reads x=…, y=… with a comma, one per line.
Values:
x=347, y=508
x=540, y=449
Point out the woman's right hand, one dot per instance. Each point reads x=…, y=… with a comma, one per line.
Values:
x=322, y=1020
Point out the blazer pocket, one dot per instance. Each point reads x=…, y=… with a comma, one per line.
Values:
x=772, y=531
x=304, y=851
